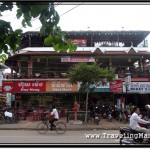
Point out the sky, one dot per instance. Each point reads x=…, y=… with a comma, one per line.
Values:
x=95, y=17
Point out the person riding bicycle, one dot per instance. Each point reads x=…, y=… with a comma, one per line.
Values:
x=55, y=115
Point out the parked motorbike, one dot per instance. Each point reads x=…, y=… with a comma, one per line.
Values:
x=107, y=112
x=115, y=113
x=96, y=115
x=104, y=111
x=121, y=115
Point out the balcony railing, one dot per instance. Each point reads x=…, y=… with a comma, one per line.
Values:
x=62, y=73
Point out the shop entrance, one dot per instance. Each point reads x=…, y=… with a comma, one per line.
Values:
x=98, y=99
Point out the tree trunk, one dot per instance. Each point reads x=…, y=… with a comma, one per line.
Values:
x=86, y=112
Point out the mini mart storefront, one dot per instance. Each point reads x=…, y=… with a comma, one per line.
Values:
x=34, y=93
x=44, y=93
x=41, y=93
x=138, y=93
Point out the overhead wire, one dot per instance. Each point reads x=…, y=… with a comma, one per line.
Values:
x=38, y=16
x=64, y=13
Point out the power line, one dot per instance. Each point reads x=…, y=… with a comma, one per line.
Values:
x=71, y=9
x=65, y=13
x=38, y=16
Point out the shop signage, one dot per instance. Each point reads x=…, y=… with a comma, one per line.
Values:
x=102, y=87
x=80, y=42
x=137, y=87
x=30, y=86
x=99, y=87
x=60, y=86
x=8, y=86
x=116, y=86
x=77, y=59
x=24, y=86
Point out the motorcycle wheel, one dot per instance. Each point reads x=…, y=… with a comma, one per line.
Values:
x=110, y=118
x=97, y=122
x=120, y=141
x=120, y=119
x=124, y=119
x=104, y=116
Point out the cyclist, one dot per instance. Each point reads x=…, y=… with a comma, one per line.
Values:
x=55, y=115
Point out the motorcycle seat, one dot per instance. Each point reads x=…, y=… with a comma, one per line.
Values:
x=134, y=131
x=128, y=129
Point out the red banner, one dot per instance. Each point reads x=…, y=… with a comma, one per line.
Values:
x=77, y=59
x=80, y=42
x=24, y=86
x=30, y=86
x=116, y=86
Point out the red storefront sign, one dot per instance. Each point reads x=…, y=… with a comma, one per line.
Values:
x=8, y=86
x=30, y=86
x=24, y=86
x=77, y=59
x=116, y=86
x=80, y=42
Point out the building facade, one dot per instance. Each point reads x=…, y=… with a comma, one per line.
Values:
x=40, y=77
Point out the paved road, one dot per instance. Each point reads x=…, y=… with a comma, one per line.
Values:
x=51, y=137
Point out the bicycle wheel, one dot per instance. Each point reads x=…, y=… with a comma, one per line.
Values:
x=124, y=118
x=60, y=127
x=1, y=119
x=42, y=128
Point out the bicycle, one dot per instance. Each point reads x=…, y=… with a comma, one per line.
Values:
x=44, y=126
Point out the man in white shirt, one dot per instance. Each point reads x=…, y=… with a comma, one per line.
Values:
x=55, y=116
x=135, y=119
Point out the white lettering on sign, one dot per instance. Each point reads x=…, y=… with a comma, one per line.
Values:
x=61, y=86
x=34, y=90
x=29, y=90
x=24, y=90
x=40, y=84
x=28, y=84
x=24, y=84
x=61, y=89
x=140, y=87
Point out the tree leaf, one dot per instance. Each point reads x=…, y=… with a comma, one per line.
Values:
x=24, y=23
x=56, y=47
x=29, y=23
x=19, y=13
x=5, y=48
x=48, y=40
x=18, y=31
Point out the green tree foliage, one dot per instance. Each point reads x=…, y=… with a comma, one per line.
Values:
x=49, y=18
x=88, y=75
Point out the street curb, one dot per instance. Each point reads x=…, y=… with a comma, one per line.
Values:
x=68, y=129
